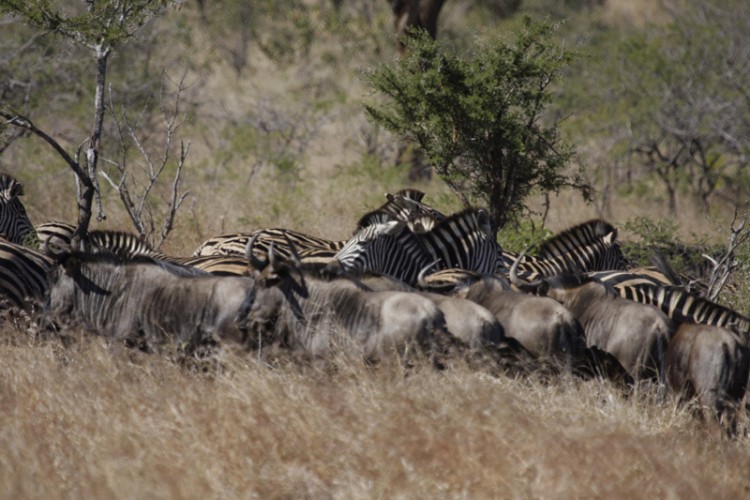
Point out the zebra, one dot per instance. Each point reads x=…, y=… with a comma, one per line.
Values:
x=463, y=240
x=54, y=234
x=406, y=205
x=15, y=225
x=218, y=265
x=586, y=247
x=589, y=246
x=311, y=249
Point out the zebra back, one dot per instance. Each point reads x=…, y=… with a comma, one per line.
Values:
x=219, y=265
x=682, y=306
x=226, y=244
x=634, y=277
x=54, y=235
x=446, y=280
x=125, y=245
x=15, y=225
x=464, y=240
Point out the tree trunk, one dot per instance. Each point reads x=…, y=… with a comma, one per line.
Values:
x=415, y=14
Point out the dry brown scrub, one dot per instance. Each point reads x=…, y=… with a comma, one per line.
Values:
x=93, y=420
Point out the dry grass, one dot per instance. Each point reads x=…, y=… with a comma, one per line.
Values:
x=92, y=420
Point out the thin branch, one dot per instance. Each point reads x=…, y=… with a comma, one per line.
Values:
x=727, y=263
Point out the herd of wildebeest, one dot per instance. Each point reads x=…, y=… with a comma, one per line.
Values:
x=411, y=281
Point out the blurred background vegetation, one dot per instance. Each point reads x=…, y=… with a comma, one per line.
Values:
x=270, y=96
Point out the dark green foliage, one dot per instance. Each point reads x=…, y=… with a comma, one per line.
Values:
x=480, y=117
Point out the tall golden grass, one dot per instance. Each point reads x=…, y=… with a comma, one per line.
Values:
x=93, y=420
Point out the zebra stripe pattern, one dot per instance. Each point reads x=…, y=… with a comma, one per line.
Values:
x=15, y=225
x=23, y=275
x=125, y=245
x=590, y=246
x=310, y=249
x=685, y=307
x=54, y=234
x=462, y=240
x=389, y=249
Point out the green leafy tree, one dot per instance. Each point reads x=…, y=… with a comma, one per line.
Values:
x=480, y=118
x=100, y=26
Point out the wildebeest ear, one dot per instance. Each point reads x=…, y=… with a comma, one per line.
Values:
x=484, y=219
x=70, y=264
x=394, y=227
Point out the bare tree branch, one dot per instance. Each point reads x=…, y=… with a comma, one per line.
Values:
x=136, y=188
x=727, y=263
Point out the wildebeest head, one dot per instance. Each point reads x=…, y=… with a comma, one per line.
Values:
x=277, y=280
x=65, y=276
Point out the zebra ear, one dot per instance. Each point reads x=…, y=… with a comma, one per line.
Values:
x=16, y=189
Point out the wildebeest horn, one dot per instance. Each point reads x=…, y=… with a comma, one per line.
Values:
x=293, y=251
x=421, y=283
x=275, y=262
x=254, y=261
x=537, y=286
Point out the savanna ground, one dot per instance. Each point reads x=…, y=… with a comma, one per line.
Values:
x=85, y=418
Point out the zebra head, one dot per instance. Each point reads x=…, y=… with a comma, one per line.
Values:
x=377, y=248
x=14, y=223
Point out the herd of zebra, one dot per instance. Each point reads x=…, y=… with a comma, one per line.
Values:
x=410, y=278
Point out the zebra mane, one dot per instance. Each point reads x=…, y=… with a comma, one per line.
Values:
x=586, y=233
x=475, y=218
x=372, y=218
x=122, y=243
x=412, y=194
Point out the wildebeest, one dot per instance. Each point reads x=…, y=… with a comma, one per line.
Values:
x=541, y=325
x=465, y=320
x=636, y=334
x=147, y=302
x=306, y=313
x=711, y=364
